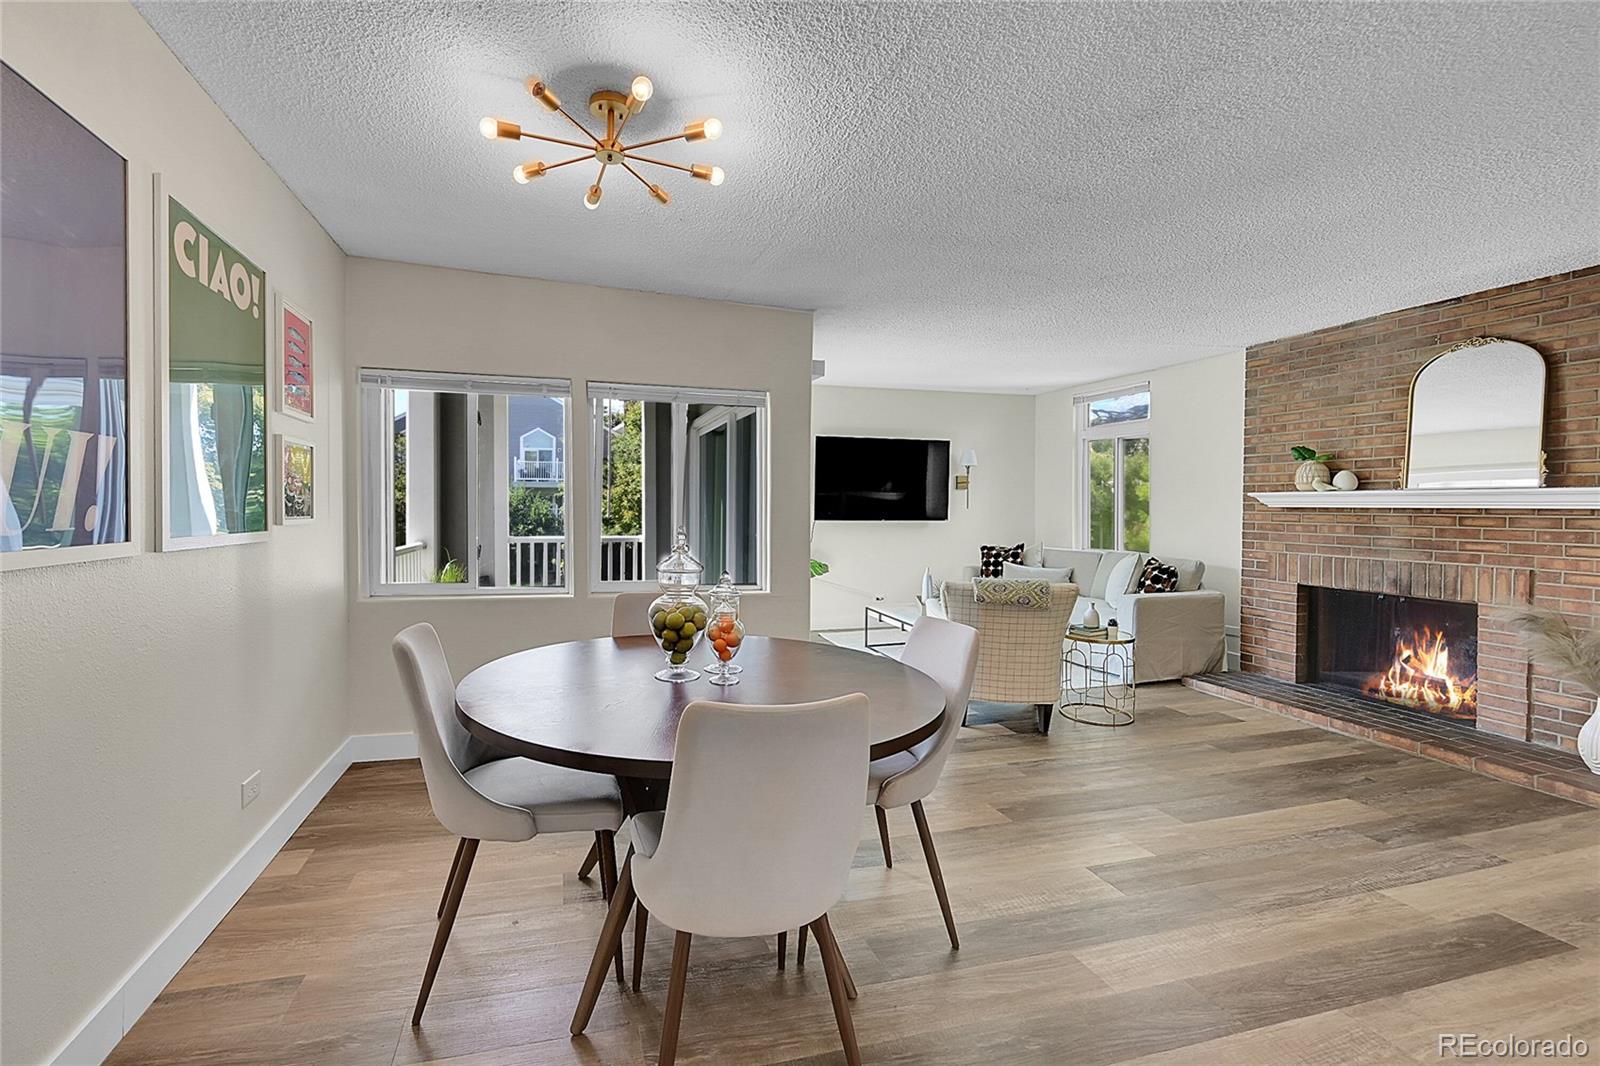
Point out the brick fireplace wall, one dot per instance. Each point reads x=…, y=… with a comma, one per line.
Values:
x=1345, y=390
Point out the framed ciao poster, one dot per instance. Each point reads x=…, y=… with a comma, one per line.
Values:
x=211, y=328
x=296, y=361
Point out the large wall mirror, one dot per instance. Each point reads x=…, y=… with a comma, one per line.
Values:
x=1477, y=418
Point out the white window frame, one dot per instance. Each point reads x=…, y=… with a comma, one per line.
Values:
x=1117, y=432
x=377, y=454
x=683, y=508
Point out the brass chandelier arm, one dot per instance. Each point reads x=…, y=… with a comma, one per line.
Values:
x=661, y=163
x=646, y=144
x=636, y=174
x=569, y=162
x=581, y=127
x=554, y=140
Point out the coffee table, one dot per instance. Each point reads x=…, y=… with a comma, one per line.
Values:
x=898, y=616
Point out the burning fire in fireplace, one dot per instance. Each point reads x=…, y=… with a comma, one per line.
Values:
x=1420, y=678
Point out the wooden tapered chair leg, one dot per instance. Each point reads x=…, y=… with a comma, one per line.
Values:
x=933, y=871
x=883, y=835
x=606, y=841
x=447, y=920
x=833, y=964
x=591, y=860
x=838, y=953
x=641, y=922
x=783, y=947
x=800, y=949
x=610, y=942
x=455, y=864
x=674, y=1012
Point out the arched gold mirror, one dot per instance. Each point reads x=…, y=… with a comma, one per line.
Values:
x=1477, y=418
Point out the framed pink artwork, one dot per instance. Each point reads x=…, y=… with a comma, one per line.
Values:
x=297, y=366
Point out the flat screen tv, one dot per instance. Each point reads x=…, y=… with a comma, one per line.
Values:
x=882, y=479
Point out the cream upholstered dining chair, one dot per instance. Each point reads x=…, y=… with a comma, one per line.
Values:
x=947, y=652
x=629, y=618
x=478, y=799
x=759, y=831
x=1019, y=647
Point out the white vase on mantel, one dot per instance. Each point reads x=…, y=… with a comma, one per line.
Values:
x=1589, y=740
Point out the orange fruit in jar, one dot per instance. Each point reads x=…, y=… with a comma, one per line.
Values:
x=724, y=653
x=732, y=640
x=719, y=644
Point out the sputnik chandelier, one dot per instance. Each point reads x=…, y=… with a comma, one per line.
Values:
x=616, y=109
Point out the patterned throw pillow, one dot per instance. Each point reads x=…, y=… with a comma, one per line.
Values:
x=994, y=558
x=1157, y=577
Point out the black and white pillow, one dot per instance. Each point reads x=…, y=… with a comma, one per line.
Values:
x=1157, y=577
x=994, y=558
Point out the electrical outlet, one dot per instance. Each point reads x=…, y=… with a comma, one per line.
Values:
x=250, y=790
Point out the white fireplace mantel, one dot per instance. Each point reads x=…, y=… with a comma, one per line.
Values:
x=1530, y=499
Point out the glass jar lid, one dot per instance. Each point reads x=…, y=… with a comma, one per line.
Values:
x=679, y=570
x=724, y=594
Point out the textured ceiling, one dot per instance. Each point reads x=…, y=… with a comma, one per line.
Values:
x=970, y=196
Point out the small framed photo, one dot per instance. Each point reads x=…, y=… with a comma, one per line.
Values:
x=297, y=480
x=297, y=385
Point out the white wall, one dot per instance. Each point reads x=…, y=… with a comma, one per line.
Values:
x=138, y=693
x=1196, y=467
x=884, y=560
x=411, y=317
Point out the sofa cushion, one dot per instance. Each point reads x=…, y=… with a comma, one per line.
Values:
x=1157, y=576
x=1019, y=572
x=1115, y=575
x=1190, y=573
x=1083, y=564
x=993, y=558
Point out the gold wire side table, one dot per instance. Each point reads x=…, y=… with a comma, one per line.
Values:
x=1097, y=680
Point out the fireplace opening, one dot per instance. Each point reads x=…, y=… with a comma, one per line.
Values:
x=1404, y=651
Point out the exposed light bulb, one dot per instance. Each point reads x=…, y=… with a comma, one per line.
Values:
x=713, y=128
x=528, y=171
x=643, y=88
x=717, y=175
x=592, y=199
x=499, y=128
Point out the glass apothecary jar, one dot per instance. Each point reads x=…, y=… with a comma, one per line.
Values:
x=725, y=632
x=678, y=617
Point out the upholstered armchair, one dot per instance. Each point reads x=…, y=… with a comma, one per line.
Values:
x=1019, y=648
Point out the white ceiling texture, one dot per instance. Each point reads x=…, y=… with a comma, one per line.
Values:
x=1007, y=197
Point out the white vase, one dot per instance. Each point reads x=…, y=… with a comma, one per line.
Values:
x=1308, y=473
x=1589, y=740
x=1092, y=619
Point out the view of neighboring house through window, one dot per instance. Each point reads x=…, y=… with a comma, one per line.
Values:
x=464, y=483
x=1114, y=441
x=667, y=459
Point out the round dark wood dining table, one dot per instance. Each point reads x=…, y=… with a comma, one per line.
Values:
x=596, y=705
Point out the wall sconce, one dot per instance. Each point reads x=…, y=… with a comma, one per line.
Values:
x=969, y=459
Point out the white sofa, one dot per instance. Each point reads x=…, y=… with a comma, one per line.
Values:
x=1179, y=633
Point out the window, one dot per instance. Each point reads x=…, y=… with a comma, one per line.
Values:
x=463, y=484
x=1114, y=439
x=668, y=459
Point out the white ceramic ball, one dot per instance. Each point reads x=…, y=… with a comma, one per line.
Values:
x=1346, y=481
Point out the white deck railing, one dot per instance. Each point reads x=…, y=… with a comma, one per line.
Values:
x=411, y=562
x=541, y=562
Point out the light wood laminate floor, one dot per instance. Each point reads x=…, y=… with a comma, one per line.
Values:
x=1213, y=885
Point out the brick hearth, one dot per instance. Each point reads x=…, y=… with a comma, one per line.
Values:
x=1346, y=390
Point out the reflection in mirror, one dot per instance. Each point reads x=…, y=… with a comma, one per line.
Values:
x=1477, y=418
x=63, y=329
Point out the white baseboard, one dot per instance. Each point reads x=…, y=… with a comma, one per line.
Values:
x=105, y=1026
